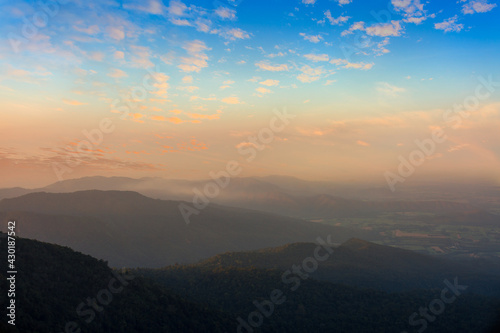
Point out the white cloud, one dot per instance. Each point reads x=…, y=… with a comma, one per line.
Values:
x=179, y=13
x=119, y=55
x=176, y=8
x=151, y=7
x=412, y=10
x=180, y=22
x=393, y=28
x=116, y=32
x=401, y=3
x=346, y=64
x=343, y=2
x=232, y=34
x=96, y=56
x=389, y=89
x=381, y=47
x=477, y=6
x=449, y=25
x=187, y=79
x=309, y=2
x=270, y=83
x=160, y=84
x=226, y=13
x=316, y=57
x=91, y=30
x=265, y=65
x=274, y=55
x=311, y=38
x=254, y=79
x=198, y=58
x=385, y=29
x=33, y=77
x=141, y=57
x=355, y=26
x=190, y=89
x=416, y=20
x=203, y=25
x=117, y=73
x=310, y=74
x=205, y=20
x=336, y=21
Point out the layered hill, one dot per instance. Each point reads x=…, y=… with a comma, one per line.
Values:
x=53, y=284
x=58, y=289
x=129, y=229
x=364, y=264
x=304, y=304
x=277, y=195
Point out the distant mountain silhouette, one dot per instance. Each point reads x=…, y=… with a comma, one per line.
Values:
x=95, y=183
x=280, y=195
x=129, y=229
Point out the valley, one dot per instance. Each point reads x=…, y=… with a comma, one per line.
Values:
x=441, y=235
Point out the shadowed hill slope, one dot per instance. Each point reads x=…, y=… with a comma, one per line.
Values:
x=129, y=229
x=53, y=284
x=365, y=264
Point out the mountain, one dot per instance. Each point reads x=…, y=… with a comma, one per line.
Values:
x=14, y=192
x=60, y=290
x=53, y=285
x=279, y=195
x=277, y=301
x=364, y=264
x=94, y=183
x=132, y=230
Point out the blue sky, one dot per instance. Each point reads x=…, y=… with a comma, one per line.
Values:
x=212, y=72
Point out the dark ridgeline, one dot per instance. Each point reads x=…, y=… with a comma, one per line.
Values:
x=208, y=297
x=52, y=281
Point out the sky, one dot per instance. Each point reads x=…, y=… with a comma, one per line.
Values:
x=383, y=92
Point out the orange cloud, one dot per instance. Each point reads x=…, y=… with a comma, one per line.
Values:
x=203, y=116
x=263, y=90
x=73, y=102
x=192, y=145
x=117, y=73
x=362, y=143
x=138, y=152
x=174, y=120
x=232, y=100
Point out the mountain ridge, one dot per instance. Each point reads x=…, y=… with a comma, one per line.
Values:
x=117, y=221
x=301, y=199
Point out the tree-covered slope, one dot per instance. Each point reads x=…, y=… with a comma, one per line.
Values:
x=54, y=285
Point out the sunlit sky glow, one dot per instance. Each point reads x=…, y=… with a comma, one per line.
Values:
x=365, y=79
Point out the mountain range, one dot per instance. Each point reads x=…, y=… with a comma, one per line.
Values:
x=279, y=195
x=60, y=290
x=129, y=229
